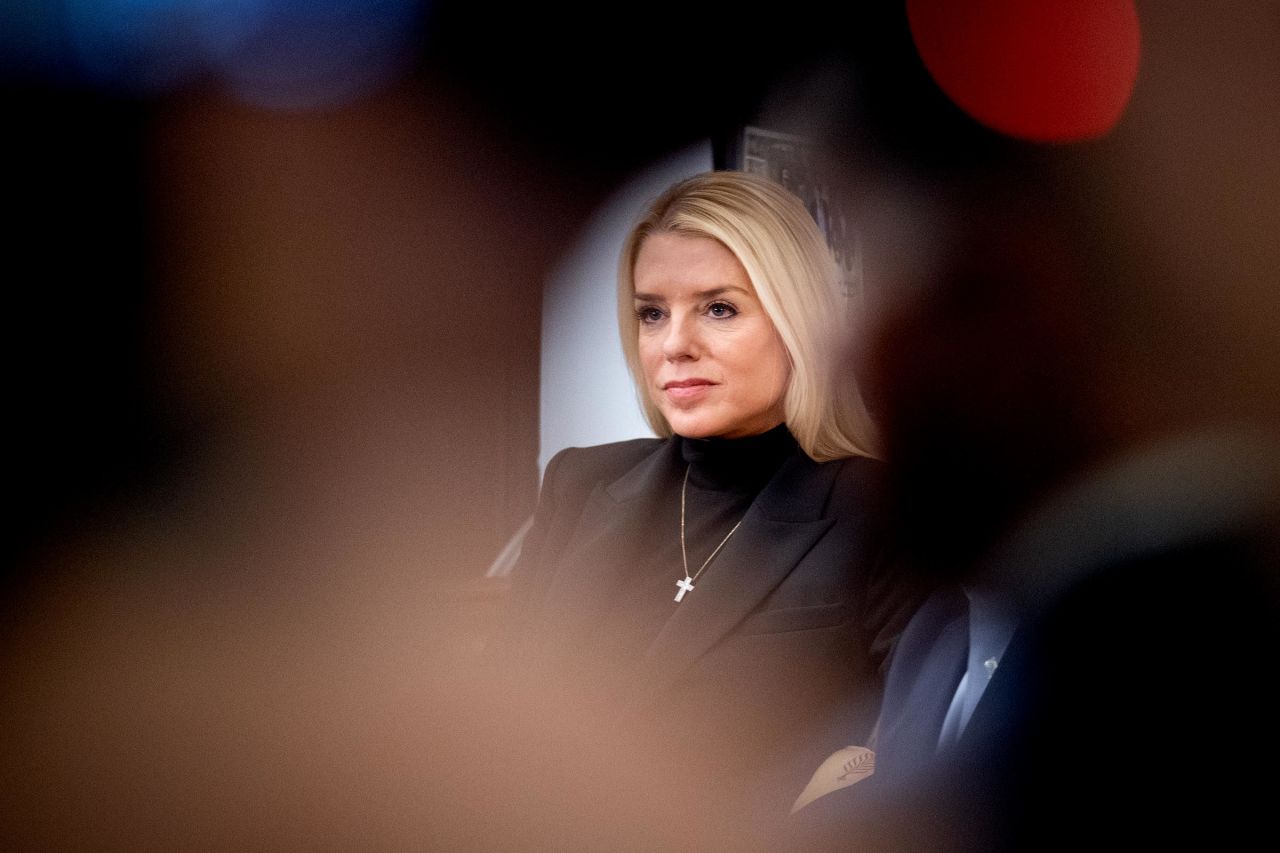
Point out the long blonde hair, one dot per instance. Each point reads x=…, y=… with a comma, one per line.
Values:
x=796, y=279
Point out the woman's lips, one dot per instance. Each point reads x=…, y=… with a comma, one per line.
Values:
x=687, y=390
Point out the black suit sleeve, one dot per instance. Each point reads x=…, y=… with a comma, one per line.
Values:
x=889, y=593
x=893, y=595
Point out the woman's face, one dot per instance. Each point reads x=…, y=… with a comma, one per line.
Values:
x=713, y=363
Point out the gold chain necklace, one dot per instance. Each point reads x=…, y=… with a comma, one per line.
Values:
x=686, y=585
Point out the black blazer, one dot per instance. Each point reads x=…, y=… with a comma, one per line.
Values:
x=790, y=627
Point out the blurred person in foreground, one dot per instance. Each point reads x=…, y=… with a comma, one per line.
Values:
x=726, y=584
x=1075, y=347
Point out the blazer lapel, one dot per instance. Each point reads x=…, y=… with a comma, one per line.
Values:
x=607, y=542
x=1010, y=693
x=781, y=526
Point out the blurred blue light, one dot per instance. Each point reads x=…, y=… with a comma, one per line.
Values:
x=33, y=40
x=135, y=44
x=299, y=54
x=293, y=54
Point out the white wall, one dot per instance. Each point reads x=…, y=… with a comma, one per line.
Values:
x=587, y=395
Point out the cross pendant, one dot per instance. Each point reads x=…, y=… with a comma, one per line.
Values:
x=685, y=586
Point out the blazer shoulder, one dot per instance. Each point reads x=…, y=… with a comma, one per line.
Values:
x=579, y=466
x=859, y=482
x=858, y=467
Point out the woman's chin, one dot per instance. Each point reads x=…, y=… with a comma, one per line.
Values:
x=705, y=428
x=695, y=433
x=696, y=427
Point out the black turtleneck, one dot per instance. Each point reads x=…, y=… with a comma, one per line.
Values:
x=725, y=476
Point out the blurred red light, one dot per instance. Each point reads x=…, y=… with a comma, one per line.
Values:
x=1040, y=70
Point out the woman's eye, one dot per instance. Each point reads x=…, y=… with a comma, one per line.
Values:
x=721, y=310
x=649, y=314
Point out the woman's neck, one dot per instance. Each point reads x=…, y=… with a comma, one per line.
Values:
x=736, y=463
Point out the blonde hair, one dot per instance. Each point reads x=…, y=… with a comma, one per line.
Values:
x=796, y=280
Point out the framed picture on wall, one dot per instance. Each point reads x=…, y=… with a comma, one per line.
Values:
x=789, y=160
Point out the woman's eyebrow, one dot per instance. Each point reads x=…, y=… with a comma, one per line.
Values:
x=720, y=291
x=701, y=294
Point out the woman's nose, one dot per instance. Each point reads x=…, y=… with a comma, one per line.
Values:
x=681, y=341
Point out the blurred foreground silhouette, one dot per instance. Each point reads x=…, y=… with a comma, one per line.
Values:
x=1075, y=349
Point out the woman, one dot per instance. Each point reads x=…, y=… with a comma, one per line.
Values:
x=727, y=576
